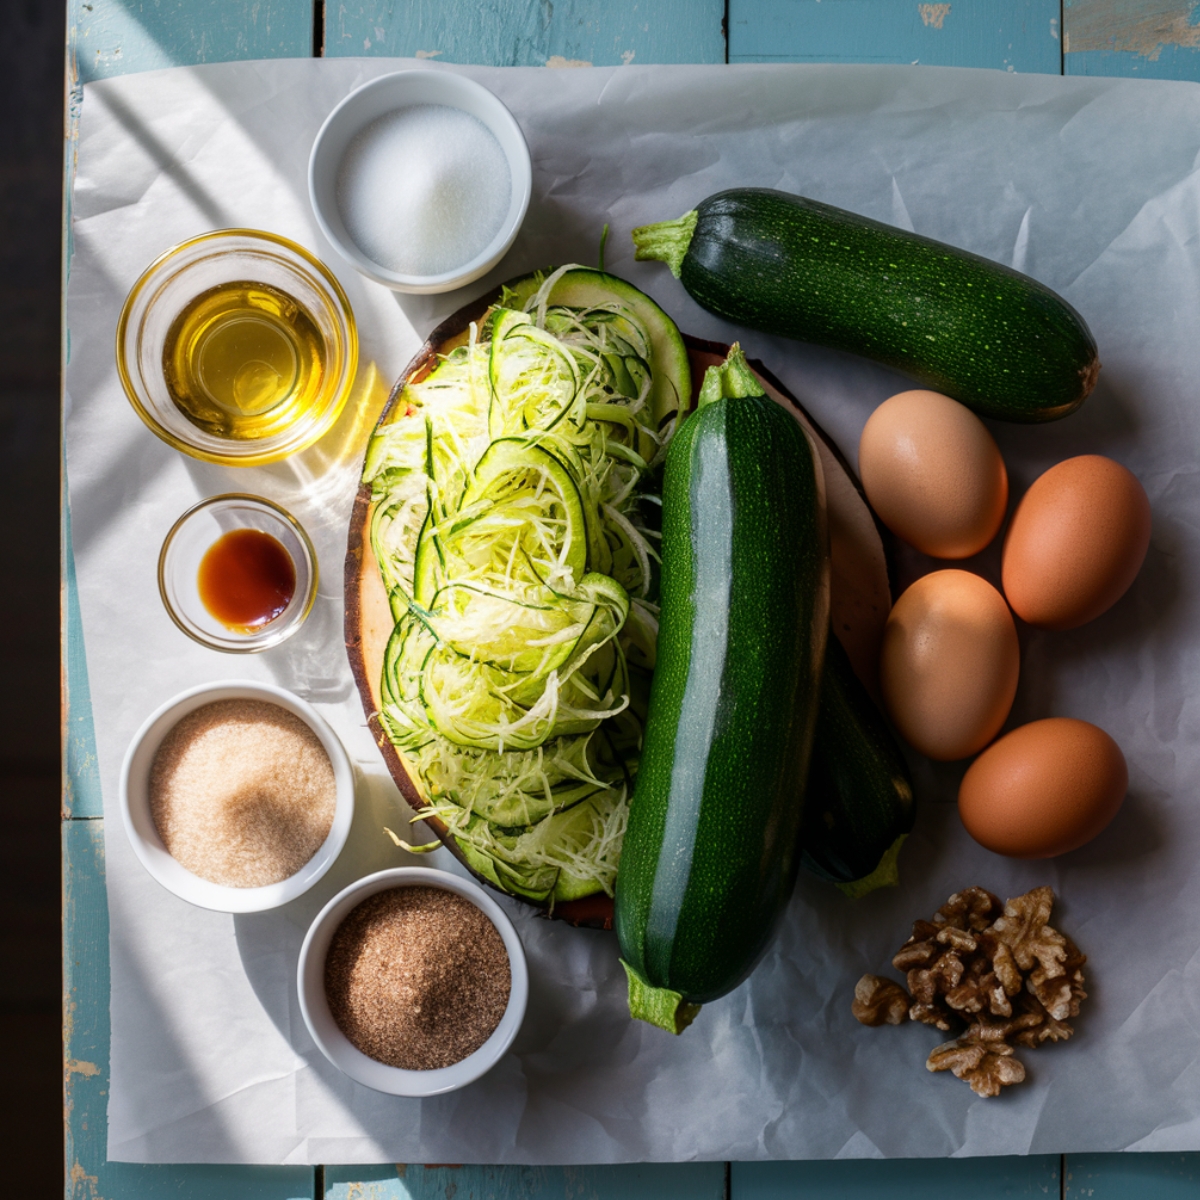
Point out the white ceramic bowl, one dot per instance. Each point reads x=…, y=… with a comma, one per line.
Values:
x=402, y=90
x=337, y=1047
x=148, y=846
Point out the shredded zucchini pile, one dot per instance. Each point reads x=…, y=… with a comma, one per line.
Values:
x=514, y=524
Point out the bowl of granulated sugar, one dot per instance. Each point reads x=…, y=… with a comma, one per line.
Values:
x=237, y=796
x=413, y=981
x=420, y=180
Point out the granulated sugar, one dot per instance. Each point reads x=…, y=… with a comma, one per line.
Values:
x=424, y=189
x=417, y=977
x=242, y=793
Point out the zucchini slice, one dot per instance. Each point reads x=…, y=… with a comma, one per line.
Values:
x=597, y=292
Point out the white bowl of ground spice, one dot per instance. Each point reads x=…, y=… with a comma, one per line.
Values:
x=413, y=981
x=237, y=796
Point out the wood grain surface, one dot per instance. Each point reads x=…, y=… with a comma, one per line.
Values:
x=1149, y=38
x=863, y=1179
x=531, y=33
x=653, y=1181
x=1021, y=35
x=860, y=599
x=118, y=37
x=89, y=1174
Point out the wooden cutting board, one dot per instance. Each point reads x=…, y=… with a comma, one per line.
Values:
x=860, y=595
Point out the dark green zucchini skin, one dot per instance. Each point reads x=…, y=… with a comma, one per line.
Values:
x=988, y=336
x=711, y=850
x=860, y=796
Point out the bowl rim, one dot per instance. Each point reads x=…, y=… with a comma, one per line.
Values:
x=338, y=1049
x=520, y=170
x=134, y=800
x=339, y=301
x=305, y=541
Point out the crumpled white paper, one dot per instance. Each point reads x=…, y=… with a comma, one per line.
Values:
x=1090, y=185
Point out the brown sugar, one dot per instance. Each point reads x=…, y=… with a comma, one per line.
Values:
x=242, y=793
x=417, y=977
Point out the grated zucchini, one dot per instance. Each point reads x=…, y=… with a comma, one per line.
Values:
x=515, y=528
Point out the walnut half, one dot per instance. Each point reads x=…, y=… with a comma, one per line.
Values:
x=879, y=1001
x=986, y=1066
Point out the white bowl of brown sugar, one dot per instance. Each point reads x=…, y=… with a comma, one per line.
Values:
x=413, y=981
x=237, y=796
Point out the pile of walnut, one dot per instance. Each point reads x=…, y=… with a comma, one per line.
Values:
x=1007, y=976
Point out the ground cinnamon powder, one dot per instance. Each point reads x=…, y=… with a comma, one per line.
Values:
x=417, y=977
x=242, y=793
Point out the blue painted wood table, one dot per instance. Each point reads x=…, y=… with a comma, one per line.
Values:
x=1152, y=38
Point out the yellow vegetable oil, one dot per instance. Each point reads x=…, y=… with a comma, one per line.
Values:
x=244, y=361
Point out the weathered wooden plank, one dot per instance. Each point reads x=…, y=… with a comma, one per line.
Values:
x=652, y=1181
x=1152, y=39
x=519, y=33
x=903, y=1179
x=81, y=776
x=117, y=37
x=89, y=1176
x=1018, y=36
x=111, y=37
x=1132, y=1177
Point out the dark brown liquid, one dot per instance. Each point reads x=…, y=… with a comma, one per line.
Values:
x=246, y=579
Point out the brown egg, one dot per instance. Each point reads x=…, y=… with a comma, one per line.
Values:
x=933, y=474
x=1076, y=542
x=1043, y=789
x=949, y=665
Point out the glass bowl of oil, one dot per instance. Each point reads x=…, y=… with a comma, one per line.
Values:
x=237, y=573
x=237, y=347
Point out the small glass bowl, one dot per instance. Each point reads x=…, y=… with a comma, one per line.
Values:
x=189, y=270
x=188, y=542
x=337, y=1047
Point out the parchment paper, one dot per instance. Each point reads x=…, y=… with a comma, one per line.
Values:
x=1090, y=185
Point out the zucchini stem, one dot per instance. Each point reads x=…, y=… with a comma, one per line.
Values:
x=660, y=1006
x=668, y=241
x=732, y=380
x=886, y=874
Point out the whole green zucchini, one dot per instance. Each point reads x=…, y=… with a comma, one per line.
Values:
x=990, y=337
x=711, y=853
x=859, y=804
